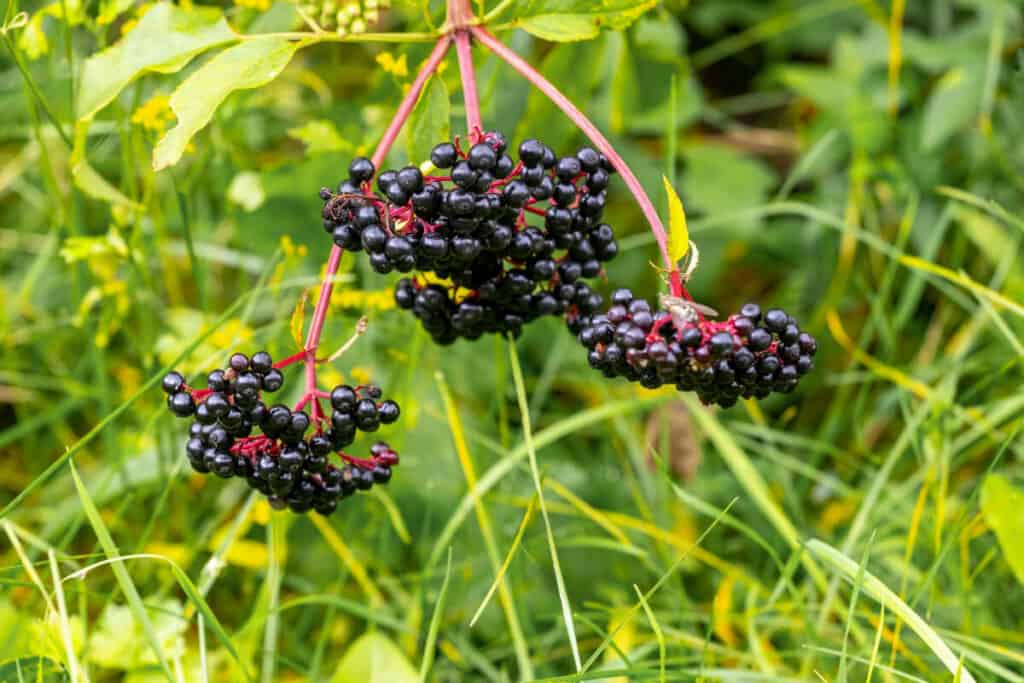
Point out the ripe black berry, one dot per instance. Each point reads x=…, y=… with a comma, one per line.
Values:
x=720, y=361
x=172, y=382
x=476, y=228
x=181, y=404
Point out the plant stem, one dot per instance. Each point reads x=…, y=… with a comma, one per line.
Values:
x=316, y=325
x=592, y=132
x=469, y=93
x=460, y=17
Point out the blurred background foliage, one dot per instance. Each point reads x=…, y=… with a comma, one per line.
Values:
x=857, y=162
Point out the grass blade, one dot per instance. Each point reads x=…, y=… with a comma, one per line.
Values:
x=486, y=530
x=524, y=411
x=873, y=587
x=348, y=558
x=527, y=516
x=435, y=624
x=743, y=469
x=658, y=635
x=124, y=580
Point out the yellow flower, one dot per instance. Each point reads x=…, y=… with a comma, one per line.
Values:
x=360, y=375
x=155, y=114
x=396, y=67
x=261, y=5
x=361, y=300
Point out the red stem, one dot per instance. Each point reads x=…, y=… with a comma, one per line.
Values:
x=469, y=93
x=316, y=325
x=584, y=124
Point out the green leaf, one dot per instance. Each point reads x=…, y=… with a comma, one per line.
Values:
x=89, y=181
x=117, y=641
x=739, y=182
x=246, y=190
x=678, y=233
x=320, y=136
x=430, y=120
x=570, y=20
x=32, y=669
x=373, y=658
x=659, y=37
x=952, y=105
x=241, y=67
x=164, y=41
x=561, y=28
x=1002, y=506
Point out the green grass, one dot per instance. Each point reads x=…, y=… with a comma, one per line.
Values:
x=544, y=524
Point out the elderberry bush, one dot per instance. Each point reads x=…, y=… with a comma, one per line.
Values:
x=235, y=433
x=749, y=355
x=495, y=242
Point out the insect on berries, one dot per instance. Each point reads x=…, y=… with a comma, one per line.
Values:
x=495, y=242
x=284, y=453
x=751, y=354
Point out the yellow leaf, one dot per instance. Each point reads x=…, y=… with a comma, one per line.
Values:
x=721, y=608
x=299, y=321
x=678, y=234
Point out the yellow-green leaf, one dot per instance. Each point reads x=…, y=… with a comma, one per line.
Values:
x=89, y=181
x=571, y=20
x=320, y=136
x=1002, y=506
x=561, y=28
x=373, y=658
x=164, y=41
x=678, y=234
x=248, y=65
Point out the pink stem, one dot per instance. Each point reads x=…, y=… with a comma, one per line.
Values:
x=469, y=93
x=406, y=107
x=316, y=325
x=584, y=124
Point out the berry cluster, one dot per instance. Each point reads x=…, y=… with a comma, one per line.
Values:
x=482, y=266
x=749, y=355
x=282, y=463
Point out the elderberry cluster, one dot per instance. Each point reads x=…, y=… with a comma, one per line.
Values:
x=496, y=242
x=749, y=355
x=281, y=462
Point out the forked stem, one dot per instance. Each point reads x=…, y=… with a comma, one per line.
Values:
x=316, y=325
x=595, y=135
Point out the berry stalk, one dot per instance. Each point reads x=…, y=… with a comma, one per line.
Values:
x=316, y=325
x=583, y=123
x=469, y=92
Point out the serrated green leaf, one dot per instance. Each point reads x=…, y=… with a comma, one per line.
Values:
x=678, y=233
x=570, y=20
x=1002, y=506
x=430, y=120
x=373, y=658
x=164, y=41
x=249, y=65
